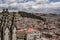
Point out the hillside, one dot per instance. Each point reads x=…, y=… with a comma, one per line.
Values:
x=48, y=24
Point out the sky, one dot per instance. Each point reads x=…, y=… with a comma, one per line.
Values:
x=36, y=6
x=54, y=0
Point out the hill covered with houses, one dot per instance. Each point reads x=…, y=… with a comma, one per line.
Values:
x=47, y=24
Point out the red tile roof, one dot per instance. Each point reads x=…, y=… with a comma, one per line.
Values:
x=20, y=30
x=29, y=30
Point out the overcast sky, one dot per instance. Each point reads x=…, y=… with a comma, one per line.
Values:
x=37, y=6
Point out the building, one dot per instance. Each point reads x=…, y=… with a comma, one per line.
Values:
x=33, y=34
x=29, y=34
x=21, y=34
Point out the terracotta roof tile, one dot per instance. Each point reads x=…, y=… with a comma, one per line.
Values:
x=31, y=30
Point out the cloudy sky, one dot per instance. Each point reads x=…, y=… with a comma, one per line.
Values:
x=37, y=6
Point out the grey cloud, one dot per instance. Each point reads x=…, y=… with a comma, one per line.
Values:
x=38, y=6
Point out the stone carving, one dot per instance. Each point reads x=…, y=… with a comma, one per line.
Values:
x=8, y=32
x=6, y=36
x=14, y=34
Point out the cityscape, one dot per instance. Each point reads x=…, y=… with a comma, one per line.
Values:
x=28, y=26
x=29, y=19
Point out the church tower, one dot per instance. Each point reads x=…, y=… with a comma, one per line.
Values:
x=8, y=32
x=4, y=26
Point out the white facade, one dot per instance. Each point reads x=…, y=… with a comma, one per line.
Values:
x=33, y=35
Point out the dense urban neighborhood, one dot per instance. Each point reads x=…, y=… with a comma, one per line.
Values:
x=29, y=26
